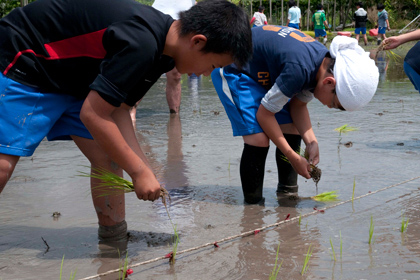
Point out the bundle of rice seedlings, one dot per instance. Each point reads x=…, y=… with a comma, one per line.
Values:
x=392, y=55
x=315, y=170
x=112, y=183
x=326, y=196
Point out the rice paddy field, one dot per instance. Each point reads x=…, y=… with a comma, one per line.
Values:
x=197, y=159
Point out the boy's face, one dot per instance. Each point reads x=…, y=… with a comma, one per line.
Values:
x=200, y=63
x=325, y=93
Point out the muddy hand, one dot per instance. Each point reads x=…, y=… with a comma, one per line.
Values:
x=301, y=166
x=146, y=186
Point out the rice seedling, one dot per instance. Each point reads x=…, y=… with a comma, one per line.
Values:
x=341, y=246
x=372, y=226
x=404, y=223
x=333, y=252
x=72, y=275
x=300, y=219
x=345, y=129
x=276, y=268
x=326, y=196
x=354, y=187
x=306, y=262
x=122, y=273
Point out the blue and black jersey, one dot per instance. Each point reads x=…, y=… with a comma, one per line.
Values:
x=285, y=56
x=72, y=46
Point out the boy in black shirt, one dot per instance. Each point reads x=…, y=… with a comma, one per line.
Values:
x=72, y=69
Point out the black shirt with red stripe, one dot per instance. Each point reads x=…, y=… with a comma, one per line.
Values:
x=72, y=46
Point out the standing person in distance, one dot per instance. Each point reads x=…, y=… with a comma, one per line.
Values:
x=293, y=15
x=320, y=23
x=259, y=17
x=383, y=22
x=360, y=19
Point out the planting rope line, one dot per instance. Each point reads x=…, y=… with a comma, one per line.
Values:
x=251, y=232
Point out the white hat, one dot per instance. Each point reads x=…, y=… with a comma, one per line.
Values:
x=355, y=73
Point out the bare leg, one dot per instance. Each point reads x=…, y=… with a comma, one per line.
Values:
x=7, y=166
x=173, y=90
x=133, y=113
x=109, y=209
x=357, y=37
x=365, y=39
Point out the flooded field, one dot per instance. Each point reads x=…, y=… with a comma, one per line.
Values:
x=197, y=158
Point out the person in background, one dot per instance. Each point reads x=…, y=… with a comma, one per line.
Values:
x=294, y=15
x=259, y=17
x=412, y=59
x=267, y=99
x=52, y=85
x=173, y=77
x=383, y=22
x=360, y=19
x=320, y=23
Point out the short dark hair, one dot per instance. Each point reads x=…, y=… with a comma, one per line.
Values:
x=292, y=3
x=225, y=25
x=320, y=7
x=380, y=6
x=360, y=4
x=261, y=8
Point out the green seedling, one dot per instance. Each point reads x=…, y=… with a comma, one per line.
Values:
x=72, y=275
x=306, y=262
x=372, y=226
x=276, y=268
x=123, y=270
x=300, y=219
x=354, y=187
x=345, y=129
x=404, y=223
x=333, y=252
x=341, y=246
x=326, y=196
x=175, y=245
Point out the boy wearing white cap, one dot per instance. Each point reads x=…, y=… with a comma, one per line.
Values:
x=267, y=99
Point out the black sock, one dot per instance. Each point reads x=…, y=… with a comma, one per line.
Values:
x=252, y=170
x=287, y=175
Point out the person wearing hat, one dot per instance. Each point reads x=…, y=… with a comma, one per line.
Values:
x=267, y=99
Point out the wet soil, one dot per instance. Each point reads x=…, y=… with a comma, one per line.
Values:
x=197, y=159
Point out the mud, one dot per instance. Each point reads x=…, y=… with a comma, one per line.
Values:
x=197, y=159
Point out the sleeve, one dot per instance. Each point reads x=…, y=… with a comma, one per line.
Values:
x=305, y=96
x=292, y=79
x=274, y=99
x=131, y=49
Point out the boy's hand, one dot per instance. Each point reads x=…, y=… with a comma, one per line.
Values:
x=301, y=166
x=391, y=43
x=146, y=185
x=312, y=153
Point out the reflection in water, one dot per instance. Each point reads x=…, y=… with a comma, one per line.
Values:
x=382, y=62
x=194, y=85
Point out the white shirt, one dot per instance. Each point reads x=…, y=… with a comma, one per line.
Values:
x=294, y=14
x=260, y=18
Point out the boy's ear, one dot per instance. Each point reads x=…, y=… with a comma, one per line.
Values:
x=329, y=82
x=198, y=41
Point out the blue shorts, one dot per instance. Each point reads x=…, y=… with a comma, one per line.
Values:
x=412, y=75
x=381, y=30
x=27, y=116
x=320, y=33
x=359, y=30
x=294, y=25
x=241, y=96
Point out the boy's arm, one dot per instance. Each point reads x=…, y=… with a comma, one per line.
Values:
x=301, y=119
x=271, y=128
x=387, y=24
x=395, y=41
x=252, y=20
x=113, y=131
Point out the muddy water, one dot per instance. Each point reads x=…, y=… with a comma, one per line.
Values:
x=197, y=159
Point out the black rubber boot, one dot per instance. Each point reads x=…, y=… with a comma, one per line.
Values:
x=252, y=173
x=287, y=175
